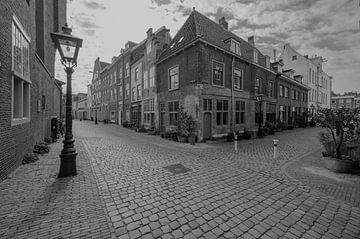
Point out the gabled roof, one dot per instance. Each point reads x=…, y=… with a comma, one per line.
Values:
x=198, y=26
x=103, y=65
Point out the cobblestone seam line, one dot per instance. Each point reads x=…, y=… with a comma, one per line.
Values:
x=103, y=204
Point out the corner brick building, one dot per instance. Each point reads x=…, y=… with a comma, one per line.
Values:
x=215, y=75
x=30, y=96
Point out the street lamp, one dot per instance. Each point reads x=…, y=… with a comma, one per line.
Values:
x=68, y=47
x=260, y=98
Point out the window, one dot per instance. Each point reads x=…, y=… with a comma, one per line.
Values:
x=258, y=87
x=256, y=56
x=120, y=75
x=133, y=93
x=271, y=89
x=239, y=112
x=286, y=92
x=281, y=91
x=127, y=69
x=207, y=105
x=173, y=78
x=136, y=74
x=218, y=73
x=138, y=92
x=294, y=94
x=238, y=82
x=235, y=47
x=21, y=78
x=146, y=80
x=152, y=77
x=149, y=111
x=127, y=91
x=282, y=113
x=222, y=107
x=173, y=112
x=120, y=93
x=294, y=58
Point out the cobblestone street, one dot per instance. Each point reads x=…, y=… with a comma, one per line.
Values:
x=124, y=191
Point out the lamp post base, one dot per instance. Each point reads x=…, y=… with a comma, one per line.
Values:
x=67, y=165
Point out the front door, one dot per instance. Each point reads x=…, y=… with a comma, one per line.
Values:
x=207, y=126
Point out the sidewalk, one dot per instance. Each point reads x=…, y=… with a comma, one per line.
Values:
x=34, y=203
x=311, y=171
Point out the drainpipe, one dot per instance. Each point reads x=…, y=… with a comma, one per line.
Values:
x=232, y=125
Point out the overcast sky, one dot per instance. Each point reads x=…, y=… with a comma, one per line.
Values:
x=329, y=28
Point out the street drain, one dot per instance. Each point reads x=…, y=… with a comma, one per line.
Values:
x=177, y=168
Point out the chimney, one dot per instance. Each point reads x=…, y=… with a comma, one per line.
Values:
x=223, y=23
x=113, y=58
x=251, y=40
x=274, y=55
x=149, y=32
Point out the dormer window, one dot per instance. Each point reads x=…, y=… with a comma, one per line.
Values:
x=256, y=56
x=235, y=47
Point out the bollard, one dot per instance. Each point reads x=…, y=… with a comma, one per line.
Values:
x=235, y=141
x=275, y=147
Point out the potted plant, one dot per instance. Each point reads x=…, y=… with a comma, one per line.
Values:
x=181, y=125
x=340, y=125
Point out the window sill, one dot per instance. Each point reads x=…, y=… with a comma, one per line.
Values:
x=173, y=89
x=19, y=121
x=218, y=86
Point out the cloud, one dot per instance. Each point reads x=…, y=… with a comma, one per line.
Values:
x=325, y=27
x=161, y=2
x=94, y=5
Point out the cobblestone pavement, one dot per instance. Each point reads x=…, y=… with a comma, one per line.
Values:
x=311, y=171
x=224, y=195
x=36, y=204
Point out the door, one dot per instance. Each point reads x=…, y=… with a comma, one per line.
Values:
x=207, y=126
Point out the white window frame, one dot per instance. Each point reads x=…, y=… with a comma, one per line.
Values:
x=24, y=79
x=176, y=83
x=240, y=84
x=212, y=73
x=152, y=77
x=256, y=56
x=235, y=47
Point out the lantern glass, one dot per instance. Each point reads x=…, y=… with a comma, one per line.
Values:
x=68, y=48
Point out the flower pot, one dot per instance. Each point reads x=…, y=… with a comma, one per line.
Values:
x=181, y=139
x=338, y=165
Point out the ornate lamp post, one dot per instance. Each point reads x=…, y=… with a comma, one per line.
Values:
x=68, y=47
x=260, y=98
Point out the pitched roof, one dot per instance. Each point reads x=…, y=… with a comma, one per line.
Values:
x=200, y=26
x=103, y=64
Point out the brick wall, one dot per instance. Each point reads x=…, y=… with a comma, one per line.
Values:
x=19, y=139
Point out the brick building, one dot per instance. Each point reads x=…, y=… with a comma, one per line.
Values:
x=292, y=94
x=30, y=96
x=155, y=44
x=97, y=89
x=215, y=75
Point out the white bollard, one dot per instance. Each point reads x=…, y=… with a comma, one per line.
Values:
x=275, y=147
x=235, y=141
